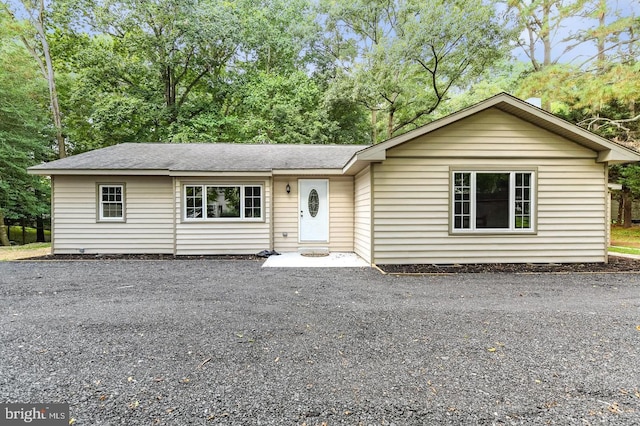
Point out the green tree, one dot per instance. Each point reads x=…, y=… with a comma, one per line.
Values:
x=502, y=76
x=410, y=55
x=24, y=130
x=187, y=71
x=585, y=87
x=148, y=68
x=35, y=38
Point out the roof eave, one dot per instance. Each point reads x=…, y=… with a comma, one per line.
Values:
x=362, y=159
x=220, y=173
x=308, y=172
x=98, y=172
x=186, y=173
x=612, y=156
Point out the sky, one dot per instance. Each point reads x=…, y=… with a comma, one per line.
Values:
x=578, y=55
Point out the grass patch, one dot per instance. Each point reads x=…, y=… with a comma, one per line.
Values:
x=625, y=250
x=25, y=251
x=15, y=235
x=625, y=237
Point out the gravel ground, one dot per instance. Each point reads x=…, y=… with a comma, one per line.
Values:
x=208, y=342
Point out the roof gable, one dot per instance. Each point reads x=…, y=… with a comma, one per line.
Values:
x=606, y=150
x=492, y=134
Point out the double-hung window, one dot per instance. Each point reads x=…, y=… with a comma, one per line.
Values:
x=111, y=202
x=220, y=202
x=492, y=201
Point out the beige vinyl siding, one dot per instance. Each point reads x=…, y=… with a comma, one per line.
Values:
x=148, y=226
x=492, y=134
x=412, y=208
x=286, y=214
x=362, y=215
x=210, y=237
x=341, y=214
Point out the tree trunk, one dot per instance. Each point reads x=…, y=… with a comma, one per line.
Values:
x=23, y=223
x=628, y=204
x=40, y=230
x=374, y=129
x=36, y=18
x=545, y=31
x=4, y=237
x=390, y=123
x=601, y=36
x=53, y=93
x=166, y=76
x=545, y=34
x=620, y=208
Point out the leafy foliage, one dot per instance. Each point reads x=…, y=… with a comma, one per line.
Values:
x=602, y=91
x=188, y=71
x=25, y=130
x=409, y=55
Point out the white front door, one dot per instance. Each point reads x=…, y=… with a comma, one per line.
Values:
x=314, y=210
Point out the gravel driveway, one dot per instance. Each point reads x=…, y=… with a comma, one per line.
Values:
x=206, y=342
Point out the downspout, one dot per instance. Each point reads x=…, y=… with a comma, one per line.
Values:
x=607, y=214
x=372, y=216
x=176, y=193
x=53, y=216
x=272, y=191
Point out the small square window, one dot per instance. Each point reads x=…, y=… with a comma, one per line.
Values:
x=111, y=202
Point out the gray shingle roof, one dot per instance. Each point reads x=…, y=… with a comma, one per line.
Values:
x=214, y=157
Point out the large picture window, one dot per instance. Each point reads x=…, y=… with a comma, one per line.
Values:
x=492, y=201
x=111, y=202
x=219, y=202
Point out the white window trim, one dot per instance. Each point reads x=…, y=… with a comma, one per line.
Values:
x=512, y=184
x=204, y=187
x=101, y=217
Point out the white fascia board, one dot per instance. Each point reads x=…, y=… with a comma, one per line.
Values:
x=353, y=163
x=373, y=155
x=617, y=156
x=360, y=160
x=204, y=173
x=307, y=172
x=95, y=172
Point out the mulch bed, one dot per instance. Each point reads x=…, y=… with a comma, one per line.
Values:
x=141, y=257
x=616, y=264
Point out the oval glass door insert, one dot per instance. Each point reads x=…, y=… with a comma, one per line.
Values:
x=314, y=203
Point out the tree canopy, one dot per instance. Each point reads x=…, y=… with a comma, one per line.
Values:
x=25, y=129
